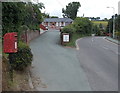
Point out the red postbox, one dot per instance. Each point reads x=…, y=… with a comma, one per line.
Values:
x=10, y=42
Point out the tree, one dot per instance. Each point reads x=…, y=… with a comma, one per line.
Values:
x=45, y=15
x=54, y=17
x=117, y=27
x=82, y=25
x=17, y=14
x=12, y=16
x=71, y=10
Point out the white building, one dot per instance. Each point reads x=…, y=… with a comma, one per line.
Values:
x=119, y=7
x=56, y=22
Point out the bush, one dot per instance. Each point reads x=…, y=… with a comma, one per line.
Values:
x=23, y=58
x=82, y=25
x=68, y=29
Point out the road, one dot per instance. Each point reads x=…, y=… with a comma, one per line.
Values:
x=99, y=60
x=56, y=68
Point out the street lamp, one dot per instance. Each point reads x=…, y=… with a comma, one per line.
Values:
x=113, y=21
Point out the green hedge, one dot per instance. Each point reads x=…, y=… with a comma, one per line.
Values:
x=68, y=29
x=23, y=58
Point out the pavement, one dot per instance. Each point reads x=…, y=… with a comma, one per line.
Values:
x=99, y=59
x=113, y=40
x=54, y=67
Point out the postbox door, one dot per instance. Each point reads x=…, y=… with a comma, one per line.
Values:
x=10, y=42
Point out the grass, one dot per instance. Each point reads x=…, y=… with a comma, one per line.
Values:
x=75, y=36
x=104, y=23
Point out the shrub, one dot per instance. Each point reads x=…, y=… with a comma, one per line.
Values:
x=68, y=29
x=23, y=58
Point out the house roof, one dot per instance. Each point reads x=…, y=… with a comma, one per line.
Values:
x=58, y=20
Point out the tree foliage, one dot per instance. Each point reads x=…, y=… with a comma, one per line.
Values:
x=22, y=58
x=82, y=25
x=117, y=26
x=16, y=14
x=71, y=10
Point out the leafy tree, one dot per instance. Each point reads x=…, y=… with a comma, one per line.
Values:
x=45, y=15
x=117, y=27
x=95, y=29
x=54, y=16
x=117, y=23
x=82, y=25
x=16, y=14
x=12, y=16
x=71, y=10
x=101, y=27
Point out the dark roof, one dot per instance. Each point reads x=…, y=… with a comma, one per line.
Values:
x=58, y=20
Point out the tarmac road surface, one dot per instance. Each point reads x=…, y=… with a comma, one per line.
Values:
x=57, y=67
x=99, y=60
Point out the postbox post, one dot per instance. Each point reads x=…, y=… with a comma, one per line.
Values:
x=11, y=68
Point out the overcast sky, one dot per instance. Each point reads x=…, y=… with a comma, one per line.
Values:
x=90, y=8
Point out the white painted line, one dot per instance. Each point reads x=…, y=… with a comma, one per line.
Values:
x=104, y=37
x=77, y=47
x=105, y=47
x=109, y=41
x=92, y=40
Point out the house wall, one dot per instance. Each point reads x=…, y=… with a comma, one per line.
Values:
x=55, y=25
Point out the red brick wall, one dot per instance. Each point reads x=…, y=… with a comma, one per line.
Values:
x=29, y=35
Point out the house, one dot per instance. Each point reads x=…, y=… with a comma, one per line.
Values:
x=56, y=23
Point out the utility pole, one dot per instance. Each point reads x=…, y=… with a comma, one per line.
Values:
x=113, y=21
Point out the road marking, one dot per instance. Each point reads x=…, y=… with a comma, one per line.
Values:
x=92, y=39
x=109, y=41
x=105, y=47
x=77, y=47
x=104, y=37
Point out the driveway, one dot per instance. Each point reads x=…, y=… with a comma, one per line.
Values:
x=99, y=60
x=56, y=68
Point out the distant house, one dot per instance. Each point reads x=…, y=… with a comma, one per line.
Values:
x=56, y=23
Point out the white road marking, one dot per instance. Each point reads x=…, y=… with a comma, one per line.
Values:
x=104, y=37
x=92, y=40
x=105, y=47
x=109, y=41
x=77, y=47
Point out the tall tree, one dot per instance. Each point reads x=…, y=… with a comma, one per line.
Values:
x=82, y=25
x=17, y=14
x=71, y=10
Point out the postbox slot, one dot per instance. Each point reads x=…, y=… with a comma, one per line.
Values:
x=15, y=35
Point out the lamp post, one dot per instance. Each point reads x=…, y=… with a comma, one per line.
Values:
x=113, y=21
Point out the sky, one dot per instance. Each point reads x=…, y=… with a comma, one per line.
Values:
x=90, y=8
